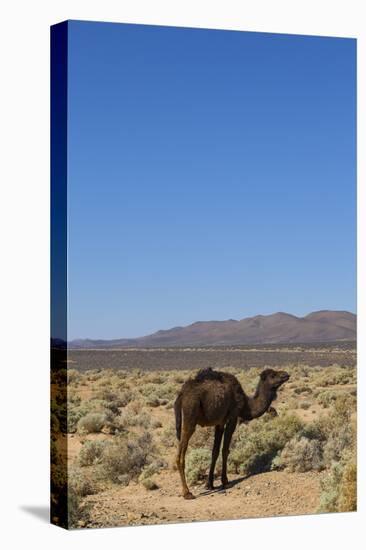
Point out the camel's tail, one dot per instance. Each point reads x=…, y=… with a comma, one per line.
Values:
x=178, y=415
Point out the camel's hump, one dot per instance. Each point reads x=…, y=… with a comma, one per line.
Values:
x=208, y=374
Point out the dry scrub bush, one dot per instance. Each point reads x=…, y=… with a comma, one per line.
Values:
x=339, y=487
x=301, y=371
x=336, y=431
x=91, y=453
x=81, y=482
x=129, y=419
x=347, y=501
x=323, y=443
x=124, y=459
x=73, y=376
x=326, y=398
x=197, y=464
x=93, y=375
x=146, y=476
x=153, y=401
x=302, y=389
x=256, y=444
x=73, y=397
x=168, y=436
x=149, y=484
x=111, y=398
x=156, y=378
x=338, y=376
x=299, y=455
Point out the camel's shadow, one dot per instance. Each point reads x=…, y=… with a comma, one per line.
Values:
x=221, y=489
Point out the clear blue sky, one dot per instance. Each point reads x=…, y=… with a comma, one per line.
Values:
x=211, y=176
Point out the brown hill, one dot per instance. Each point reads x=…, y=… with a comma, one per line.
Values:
x=319, y=326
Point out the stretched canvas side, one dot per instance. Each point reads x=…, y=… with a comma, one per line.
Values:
x=59, y=487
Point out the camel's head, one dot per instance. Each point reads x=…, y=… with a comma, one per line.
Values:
x=273, y=379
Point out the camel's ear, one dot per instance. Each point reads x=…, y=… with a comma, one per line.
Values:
x=264, y=375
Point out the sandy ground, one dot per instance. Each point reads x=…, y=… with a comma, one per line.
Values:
x=267, y=494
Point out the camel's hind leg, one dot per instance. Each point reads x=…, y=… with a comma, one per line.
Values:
x=219, y=430
x=186, y=434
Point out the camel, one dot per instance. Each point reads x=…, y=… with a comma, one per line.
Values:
x=215, y=398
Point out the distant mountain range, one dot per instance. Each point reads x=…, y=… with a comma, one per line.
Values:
x=278, y=328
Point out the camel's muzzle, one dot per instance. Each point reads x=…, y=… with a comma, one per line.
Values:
x=284, y=377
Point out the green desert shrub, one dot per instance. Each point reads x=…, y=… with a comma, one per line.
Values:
x=339, y=487
x=300, y=454
x=69, y=414
x=146, y=478
x=159, y=394
x=324, y=439
x=149, y=484
x=92, y=423
x=197, y=464
x=257, y=444
x=336, y=431
x=152, y=468
x=340, y=437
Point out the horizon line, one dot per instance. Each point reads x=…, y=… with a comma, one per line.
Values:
x=108, y=339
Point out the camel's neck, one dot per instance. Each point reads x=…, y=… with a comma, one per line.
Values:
x=260, y=402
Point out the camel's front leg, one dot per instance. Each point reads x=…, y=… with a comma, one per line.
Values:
x=219, y=430
x=229, y=430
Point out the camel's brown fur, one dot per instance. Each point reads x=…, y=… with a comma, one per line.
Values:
x=217, y=399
